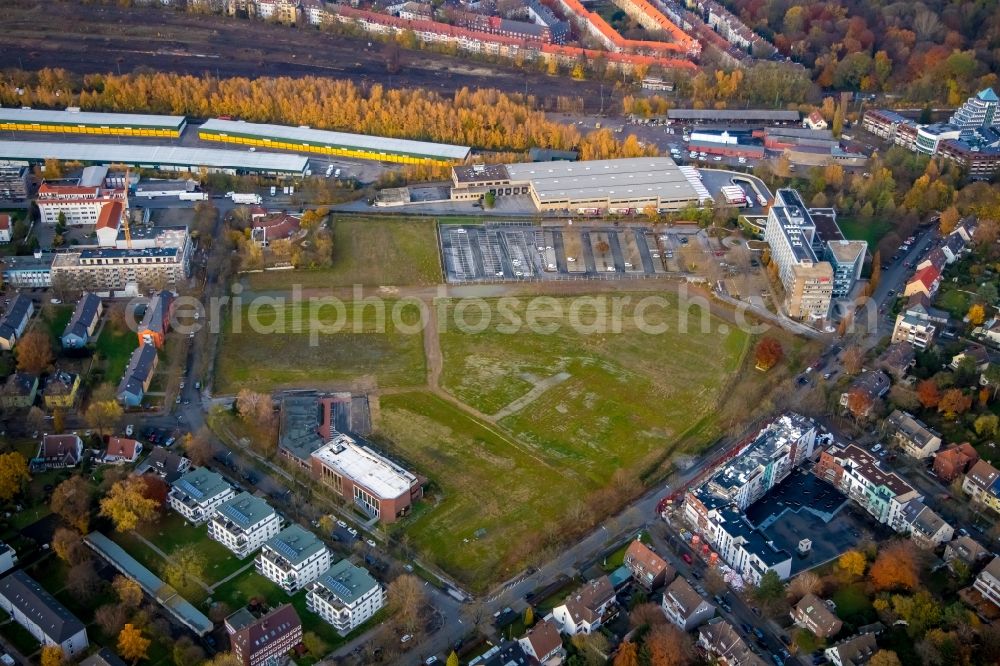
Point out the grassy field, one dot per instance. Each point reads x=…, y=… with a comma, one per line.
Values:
x=365, y=347
x=115, y=345
x=56, y=323
x=872, y=231
x=370, y=251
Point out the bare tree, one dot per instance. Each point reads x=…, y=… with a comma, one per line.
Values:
x=406, y=599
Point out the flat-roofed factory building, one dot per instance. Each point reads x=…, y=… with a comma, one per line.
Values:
x=74, y=121
x=177, y=159
x=325, y=142
x=618, y=186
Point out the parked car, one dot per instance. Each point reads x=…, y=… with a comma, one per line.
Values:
x=687, y=558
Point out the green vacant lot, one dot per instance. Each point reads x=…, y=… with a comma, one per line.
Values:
x=279, y=351
x=115, y=345
x=370, y=251
x=872, y=231
x=626, y=401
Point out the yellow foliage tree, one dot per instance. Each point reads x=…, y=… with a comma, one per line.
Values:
x=52, y=655
x=132, y=646
x=852, y=563
x=13, y=474
x=129, y=592
x=977, y=314
x=127, y=506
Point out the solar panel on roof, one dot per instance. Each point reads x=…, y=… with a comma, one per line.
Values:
x=236, y=514
x=190, y=489
x=286, y=549
x=338, y=587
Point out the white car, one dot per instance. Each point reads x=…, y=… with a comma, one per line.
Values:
x=341, y=523
x=129, y=429
x=717, y=158
x=742, y=160
x=353, y=532
x=406, y=638
x=371, y=542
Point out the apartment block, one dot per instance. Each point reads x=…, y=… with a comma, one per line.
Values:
x=243, y=524
x=293, y=558
x=32, y=607
x=912, y=435
x=258, y=640
x=197, y=494
x=375, y=484
x=982, y=483
x=684, y=607
x=78, y=204
x=345, y=596
x=857, y=474
x=790, y=232
x=137, y=270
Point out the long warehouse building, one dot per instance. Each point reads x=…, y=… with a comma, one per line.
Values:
x=361, y=146
x=87, y=122
x=161, y=158
x=617, y=186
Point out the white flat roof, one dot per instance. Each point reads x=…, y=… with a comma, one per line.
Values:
x=341, y=139
x=114, y=153
x=89, y=118
x=616, y=179
x=378, y=475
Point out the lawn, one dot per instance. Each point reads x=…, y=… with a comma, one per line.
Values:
x=853, y=604
x=370, y=251
x=56, y=320
x=872, y=231
x=115, y=345
x=172, y=532
x=281, y=350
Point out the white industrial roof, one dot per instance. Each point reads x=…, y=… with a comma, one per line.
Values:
x=378, y=475
x=89, y=118
x=113, y=153
x=616, y=179
x=325, y=137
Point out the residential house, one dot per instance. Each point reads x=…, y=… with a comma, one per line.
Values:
x=274, y=226
x=816, y=615
x=243, y=524
x=122, y=450
x=912, y=435
x=988, y=582
x=954, y=461
x=815, y=121
x=647, y=568
x=32, y=607
x=166, y=464
x=138, y=375
x=375, y=484
x=966, y=550
x=914, y=330
x=5, y=228
x=991, y=331
x=927, y=529
x=506, y=653
x=925, y=281
x=684, y=607
x=583, y=611
x=857, y=474
x=977, y=355
x=967, y=228
x=720, y=640
x=198, y=493
x=83, y=322
x=952, y=247
x=745, y=548
x=103, y=657
x=346, y=596
x=19, y=391
x=897, y=359
x=854, y=651
x=8, y=558
x=936, y=259
x=265, y=639
x=873, y=383
x=59, y=451
x=156, y=320
x=982, y=483
x=543, y=642
x=60, y=390
x=293, y=558
x=14, y=321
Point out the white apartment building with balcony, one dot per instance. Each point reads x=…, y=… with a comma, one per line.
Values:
x=293, y=558
x=79, y=204
x=196, y=494
x=988, y=582
x=243, y=524
x=790, y=232
x=345, y=596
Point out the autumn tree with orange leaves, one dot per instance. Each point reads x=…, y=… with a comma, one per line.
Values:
x=896, y=567
x=768, y=353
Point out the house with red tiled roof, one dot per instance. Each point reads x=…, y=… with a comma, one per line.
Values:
x=647, y=568
x=122, y=450
x=58, y=451
x=954, y=461
x=109, y=221
x=925, y=281
x=274, y=226
x=815, y=121
x=543, y=642
x=583, y=611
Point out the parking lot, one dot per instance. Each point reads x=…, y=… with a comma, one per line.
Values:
x=524, y=251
